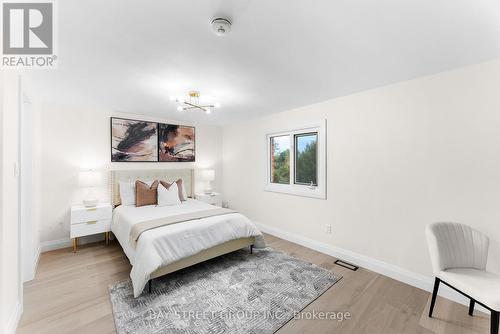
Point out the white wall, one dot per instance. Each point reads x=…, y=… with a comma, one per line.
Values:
x=75, y=138
x=30, y=236
x=10, y=285
x=399, y=157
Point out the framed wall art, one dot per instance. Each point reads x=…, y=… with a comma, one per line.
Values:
x=133, y=140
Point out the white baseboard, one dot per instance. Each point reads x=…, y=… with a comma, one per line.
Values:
x=66, y=242
x=403, y=275
x=55, y=244
x=13, y=320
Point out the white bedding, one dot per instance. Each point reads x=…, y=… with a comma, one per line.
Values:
x=167, y=244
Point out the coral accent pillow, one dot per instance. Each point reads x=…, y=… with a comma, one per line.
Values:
x=144, y=194
x=182, y=191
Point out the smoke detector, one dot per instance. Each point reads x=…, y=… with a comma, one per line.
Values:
x=221, y=26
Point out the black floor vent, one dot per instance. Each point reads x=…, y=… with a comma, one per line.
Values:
x=346, y=265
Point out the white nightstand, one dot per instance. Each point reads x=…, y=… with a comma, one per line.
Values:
x=88, y=221
x=213, y=198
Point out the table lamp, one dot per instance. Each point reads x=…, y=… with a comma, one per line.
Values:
x=90, y=179
x=207, y=175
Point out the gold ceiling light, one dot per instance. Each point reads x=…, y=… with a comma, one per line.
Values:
x=192, y=103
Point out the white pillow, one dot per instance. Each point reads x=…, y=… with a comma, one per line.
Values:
x=168, y=196
x=127, y=192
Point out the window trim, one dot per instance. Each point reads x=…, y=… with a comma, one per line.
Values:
x=292, y=188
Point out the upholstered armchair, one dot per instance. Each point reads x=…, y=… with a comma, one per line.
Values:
x=458, y=255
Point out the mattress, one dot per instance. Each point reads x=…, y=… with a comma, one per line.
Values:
x=167, y=244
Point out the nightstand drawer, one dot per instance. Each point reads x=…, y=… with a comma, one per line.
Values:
x=213, y=199
x=81, y=214
x=90, y=227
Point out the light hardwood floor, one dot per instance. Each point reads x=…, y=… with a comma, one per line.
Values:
x=70, y=295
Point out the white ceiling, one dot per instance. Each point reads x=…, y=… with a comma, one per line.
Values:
x=130, y=56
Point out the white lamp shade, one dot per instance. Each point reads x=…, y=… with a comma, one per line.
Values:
x=90, y=178
x=207, y=175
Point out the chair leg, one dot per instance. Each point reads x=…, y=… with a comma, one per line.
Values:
x=471, y=307
x=434, y=295
x=251, y=249
x=494, y=322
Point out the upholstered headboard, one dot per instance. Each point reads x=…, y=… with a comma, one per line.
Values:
x=187, y=176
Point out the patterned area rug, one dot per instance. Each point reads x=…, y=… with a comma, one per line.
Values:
x=235, y=293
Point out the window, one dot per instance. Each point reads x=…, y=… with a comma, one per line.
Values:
x=306, y=159
x=280, y=159
x=296, y=161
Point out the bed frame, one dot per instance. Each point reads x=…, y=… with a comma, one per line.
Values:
x=187, y=176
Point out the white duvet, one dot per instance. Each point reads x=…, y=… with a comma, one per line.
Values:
x=164, y=245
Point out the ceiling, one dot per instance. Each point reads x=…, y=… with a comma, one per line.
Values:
x=130, y=56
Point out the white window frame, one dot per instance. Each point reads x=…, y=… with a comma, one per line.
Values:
x=318, y=191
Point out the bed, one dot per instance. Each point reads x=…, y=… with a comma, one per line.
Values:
x=165, y=249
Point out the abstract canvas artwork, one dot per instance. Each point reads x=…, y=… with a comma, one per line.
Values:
x=133, y=140
x=176, y=143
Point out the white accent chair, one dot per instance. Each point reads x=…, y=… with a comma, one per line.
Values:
x=458, y=255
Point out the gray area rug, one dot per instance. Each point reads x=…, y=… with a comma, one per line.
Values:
x=235, y=293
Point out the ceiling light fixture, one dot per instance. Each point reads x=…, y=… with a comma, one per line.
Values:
x=192, y=103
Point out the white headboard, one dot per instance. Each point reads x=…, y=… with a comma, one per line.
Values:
x=130, y=175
